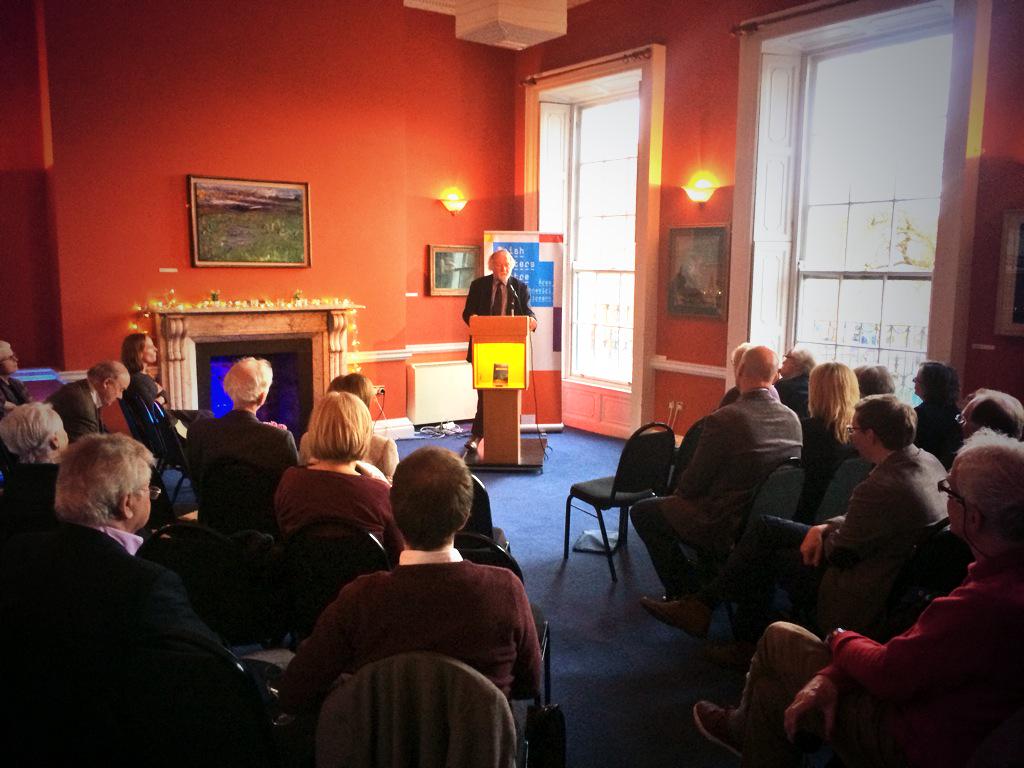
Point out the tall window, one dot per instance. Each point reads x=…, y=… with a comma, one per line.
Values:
x=602, y=245
x=874, y=130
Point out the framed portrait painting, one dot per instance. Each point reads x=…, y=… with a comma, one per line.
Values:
x=245, y=223
x=699, y=271
x=1010, y=300
x=453, y=268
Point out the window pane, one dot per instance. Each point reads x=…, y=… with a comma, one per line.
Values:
x=869, y=236
x=860, y=312
x=818, y=301
x=913, y=244
x=905, y=314
x=825, y=238
x=606, y=242
x=603, y=326
x=609, y=131
x=607, y=188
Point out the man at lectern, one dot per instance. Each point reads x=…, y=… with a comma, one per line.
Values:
x=495, y=294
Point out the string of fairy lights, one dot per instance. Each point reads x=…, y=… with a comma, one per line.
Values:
x=170, y=302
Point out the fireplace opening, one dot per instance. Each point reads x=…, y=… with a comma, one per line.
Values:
x=290, y=400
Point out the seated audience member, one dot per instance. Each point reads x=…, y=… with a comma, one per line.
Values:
x=854, y=558
x=874, y=380
x=12, y=392
x=833, y=393
x=383, y=453
x=733, y=394
x=996, y=410
x=938, y=431
x=740, y=445
x=238, y=435
x=79, y=403
x=927, y=697
x=34, y=433
x=795, y=372
x=139, y=354
x=331, y=487
x=74, y=602
x=433, y=601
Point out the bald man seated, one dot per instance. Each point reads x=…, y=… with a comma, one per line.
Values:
x=79, y=403
x=740, y=445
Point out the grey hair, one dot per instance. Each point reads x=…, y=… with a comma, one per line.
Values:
x=248, y=380
x=108, y=369
x=4, y=345
x=990, y=475
x=737, y=355
x=508, y=255
x=28, y=429
x=96, y=473
x=803, y=357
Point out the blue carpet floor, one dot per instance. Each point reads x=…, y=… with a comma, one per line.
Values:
x=626, y=682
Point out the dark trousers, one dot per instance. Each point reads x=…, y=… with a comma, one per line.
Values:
x=677, y=573
x=478, y=419
x=767, y=554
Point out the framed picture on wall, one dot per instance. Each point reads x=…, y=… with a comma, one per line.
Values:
x=699, y=271
x=245, y=223
x=1010, y=301
x=453, y=268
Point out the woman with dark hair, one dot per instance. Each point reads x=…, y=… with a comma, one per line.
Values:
x=938, y=432
x=139, y=353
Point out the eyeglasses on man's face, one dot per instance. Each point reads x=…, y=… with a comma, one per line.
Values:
x=154, y=491
x=959, y=419
x=944, y=487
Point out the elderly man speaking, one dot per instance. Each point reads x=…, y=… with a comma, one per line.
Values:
x=927, y=697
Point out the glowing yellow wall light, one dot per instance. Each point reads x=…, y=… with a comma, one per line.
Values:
x=701, y=187
x=453, y=200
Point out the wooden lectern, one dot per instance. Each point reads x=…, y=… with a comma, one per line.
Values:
x=501, y=369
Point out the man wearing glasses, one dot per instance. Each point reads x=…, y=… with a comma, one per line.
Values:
x=932, y=696
x=12, y=392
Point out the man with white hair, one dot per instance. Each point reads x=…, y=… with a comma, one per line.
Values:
x=34, y=433
x=238, y=435
x=495, y=294
x=75, y=602
x=12, y=392
x=795, y=371
x=928, y=697
x=80, y=402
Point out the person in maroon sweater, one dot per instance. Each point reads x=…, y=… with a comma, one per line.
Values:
x=928, y=697
x=433, y=601
x=331, y=486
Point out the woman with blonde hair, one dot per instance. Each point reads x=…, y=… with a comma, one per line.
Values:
x=332, y=487
x=832, y=393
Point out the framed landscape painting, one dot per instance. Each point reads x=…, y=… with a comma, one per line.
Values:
x=244, y=223
x=453, y=268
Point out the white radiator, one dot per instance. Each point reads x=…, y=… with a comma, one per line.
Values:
x=440, y=392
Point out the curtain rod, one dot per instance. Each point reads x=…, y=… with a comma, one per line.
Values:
x=639, y=53
x=749, y=27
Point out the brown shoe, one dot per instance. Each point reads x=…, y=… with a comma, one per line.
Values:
x=714, y=723
x=687, y=613
x=735, y=655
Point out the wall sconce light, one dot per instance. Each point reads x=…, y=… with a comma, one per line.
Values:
x=453, y=200
x=701, y=187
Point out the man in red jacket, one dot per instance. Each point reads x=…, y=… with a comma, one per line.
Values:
x=928, y=697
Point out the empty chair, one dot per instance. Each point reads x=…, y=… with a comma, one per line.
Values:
x=319, y=559
x=485, y=551
x=172, y=455
x=230, y=585
x=238, y=496
x=850, y=474
x=416, y=709
x=642, y=473
x=779, y=493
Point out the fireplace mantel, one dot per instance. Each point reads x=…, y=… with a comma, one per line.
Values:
x=179, y=329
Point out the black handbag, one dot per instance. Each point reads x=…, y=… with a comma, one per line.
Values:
x=545, y=737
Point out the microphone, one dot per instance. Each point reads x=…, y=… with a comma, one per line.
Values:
x=512, y=291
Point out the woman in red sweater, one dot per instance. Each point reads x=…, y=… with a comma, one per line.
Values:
x=331, y=487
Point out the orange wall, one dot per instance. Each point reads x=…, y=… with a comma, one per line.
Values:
x=376, y=106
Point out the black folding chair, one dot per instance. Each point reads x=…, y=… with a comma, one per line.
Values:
x=480, y=520
x=231, y=583
x=642, y=473
x=848, y=476
x=483, y=550
x=319, y=559
x=172, y=452
x=238, y=496
x=684, y=454
x=778, y=494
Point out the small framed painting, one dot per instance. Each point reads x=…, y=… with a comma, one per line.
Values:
x=243, y=223
x=699, y=264
x=453, y=268
x=1010, y=301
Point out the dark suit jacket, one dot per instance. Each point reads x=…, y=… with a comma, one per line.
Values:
x=73, y=603
x=739, y=446
x=866, y=547
x=27, y=502
x=239, y=436
x=821, y=457
x=793, y=393
x=478, y=301
x=74, y=404
x=13, y=391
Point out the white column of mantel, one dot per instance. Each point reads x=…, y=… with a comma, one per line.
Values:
x=337, y=342
x=179, y=362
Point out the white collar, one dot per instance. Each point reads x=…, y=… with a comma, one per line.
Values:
x=421, y=557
